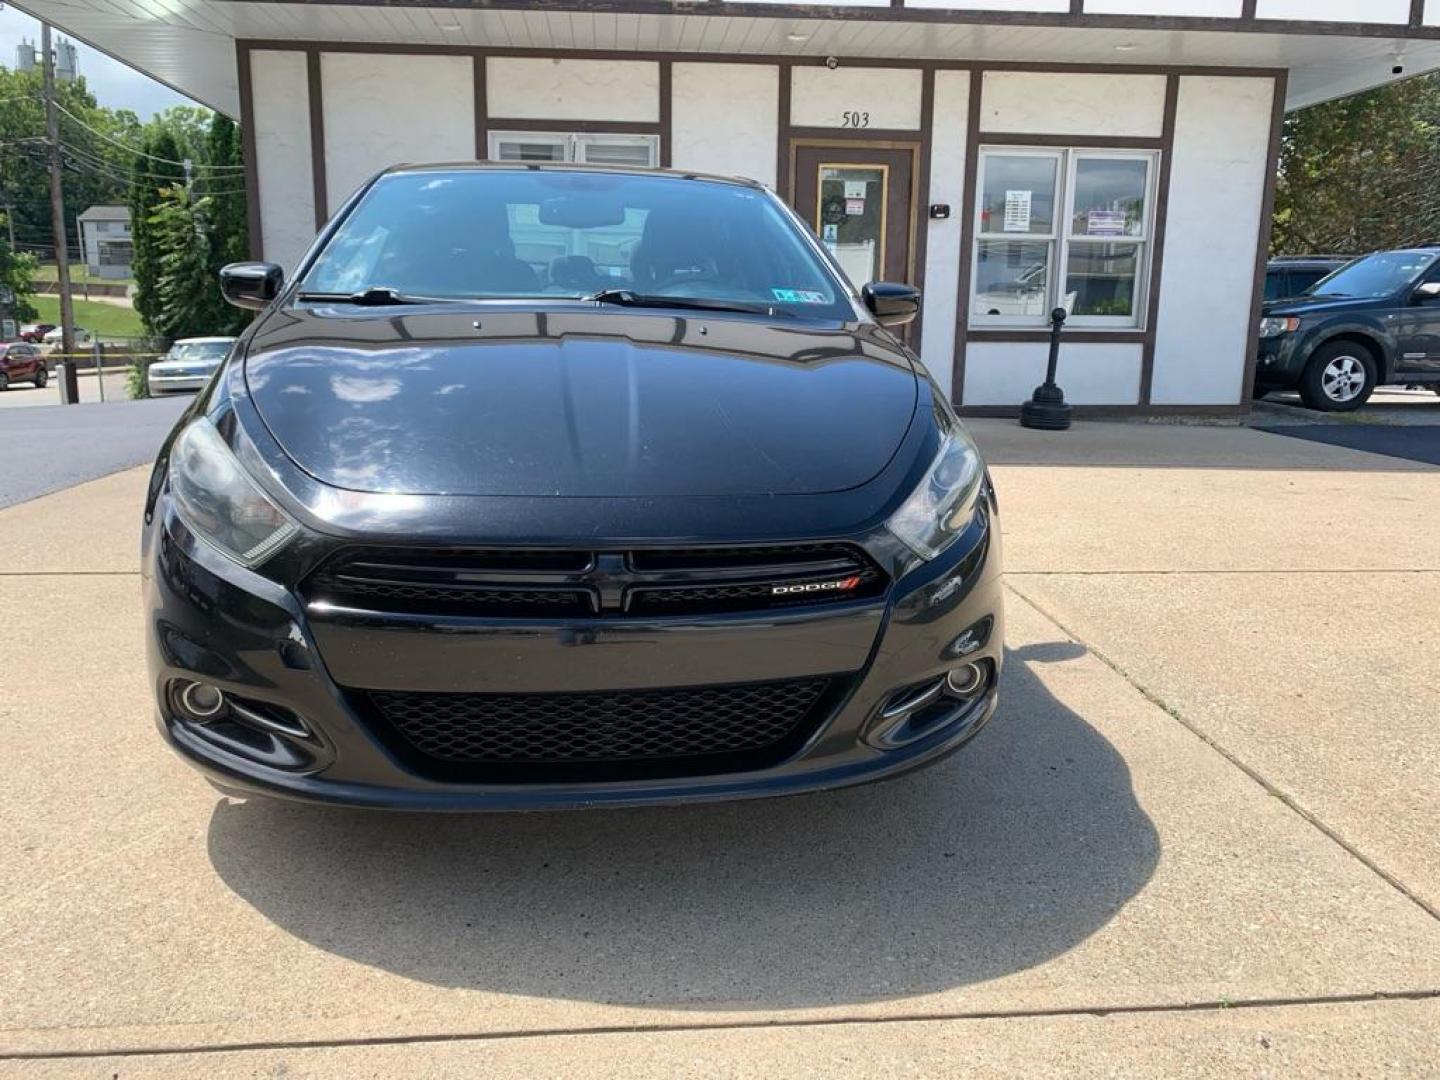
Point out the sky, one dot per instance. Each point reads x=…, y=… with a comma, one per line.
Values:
x=113, y=84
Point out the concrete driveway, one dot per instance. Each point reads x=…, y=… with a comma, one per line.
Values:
x=1198, y=838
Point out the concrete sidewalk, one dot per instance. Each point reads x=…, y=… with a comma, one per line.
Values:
x=1206, y=809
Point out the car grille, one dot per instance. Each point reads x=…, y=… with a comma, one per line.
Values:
x=608, y=734
x=539, y=584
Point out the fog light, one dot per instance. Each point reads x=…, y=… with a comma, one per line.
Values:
x=201, y=701
x=964, y=681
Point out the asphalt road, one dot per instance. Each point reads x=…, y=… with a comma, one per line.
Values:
x=51, y=447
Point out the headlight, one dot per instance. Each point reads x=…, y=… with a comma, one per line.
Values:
x=1278, y=325
x=941, y=506
x=218, y=500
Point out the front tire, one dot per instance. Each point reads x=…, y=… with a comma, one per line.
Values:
x=4, y=381
x=41, y=377
x=1340, y=377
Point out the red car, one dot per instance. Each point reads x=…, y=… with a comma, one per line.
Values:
x=22, y=362
x=34, y=332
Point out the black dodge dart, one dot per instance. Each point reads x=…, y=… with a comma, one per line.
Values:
x=567, y=486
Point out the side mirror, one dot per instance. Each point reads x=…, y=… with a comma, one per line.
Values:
x=251, y=284
x=1427, y=293
x=891, y=303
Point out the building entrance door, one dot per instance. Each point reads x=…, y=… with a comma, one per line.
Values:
x=860, y=199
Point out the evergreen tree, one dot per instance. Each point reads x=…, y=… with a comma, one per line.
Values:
x=227, y=227
x=153, y=174
x=183, y=285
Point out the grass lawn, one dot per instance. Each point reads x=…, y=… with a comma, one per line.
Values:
x=104, y=320
x=79, y=273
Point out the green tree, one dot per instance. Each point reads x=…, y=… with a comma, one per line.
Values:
x=154, y=172
x=17, y=279
x=183, y=282
x=222, y=185
x=1362, y=173
x=93, y=149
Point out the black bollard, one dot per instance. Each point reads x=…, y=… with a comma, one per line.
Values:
x=1047, y=410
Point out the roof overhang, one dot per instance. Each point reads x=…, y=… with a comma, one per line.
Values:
x=190, y=45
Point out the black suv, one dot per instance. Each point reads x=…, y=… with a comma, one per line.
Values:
x=1293, y=275
x=1374, y=321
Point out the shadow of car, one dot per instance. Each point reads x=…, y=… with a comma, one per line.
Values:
x=990, y=863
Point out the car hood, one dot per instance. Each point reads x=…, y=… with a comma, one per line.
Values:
x=1319, y=305
x=578, y=402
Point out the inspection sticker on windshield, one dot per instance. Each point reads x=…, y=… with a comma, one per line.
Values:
x=798, y=296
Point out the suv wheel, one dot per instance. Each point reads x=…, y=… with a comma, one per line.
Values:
x=4, y=381
x=41, y=377
x=1340, y=377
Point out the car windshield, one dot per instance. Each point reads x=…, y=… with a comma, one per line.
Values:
x=1374, y=275
x=492, y=234
x=199, y=350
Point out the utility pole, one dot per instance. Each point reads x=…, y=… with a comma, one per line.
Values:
x=69, y=388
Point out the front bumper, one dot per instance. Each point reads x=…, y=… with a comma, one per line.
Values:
x=1281, y=361
x=209, y=619
x=160, y=382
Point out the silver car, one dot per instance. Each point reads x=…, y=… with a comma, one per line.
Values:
x=189, y=364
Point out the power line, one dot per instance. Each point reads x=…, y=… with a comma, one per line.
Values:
x=142, y=153
x=80, y=164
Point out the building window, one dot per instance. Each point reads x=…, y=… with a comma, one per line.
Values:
x=1062, y=228
x=102, y=226
x=642, y=151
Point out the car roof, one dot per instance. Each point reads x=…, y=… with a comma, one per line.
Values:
x=566, y=166
x=200, y=340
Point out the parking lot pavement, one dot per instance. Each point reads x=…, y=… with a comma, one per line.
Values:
x=49, y=449
x=23, y=395
x=1395, y=1038
x=1388, y=405
x=1148, y=825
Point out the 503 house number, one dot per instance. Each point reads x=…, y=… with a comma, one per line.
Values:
x=854, y=119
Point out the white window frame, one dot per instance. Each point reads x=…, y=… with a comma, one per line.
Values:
x=1062, y=237
x=574, y=145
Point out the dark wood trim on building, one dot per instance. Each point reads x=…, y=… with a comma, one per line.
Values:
x=1080, y=142
x=1072, y=18
x=667, y=132
x=1157, y=237
x=967, y=234
x=769, y=60
x=482, y=109
x=1073, y=336
x=782, y=136
x=254, y=232
x=1262, y=246
x=862, y=135
x=585, y=127
x=317, y=137
x=920, y=241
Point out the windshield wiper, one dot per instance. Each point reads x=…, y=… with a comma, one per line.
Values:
x=375, y=296
x=630, y=298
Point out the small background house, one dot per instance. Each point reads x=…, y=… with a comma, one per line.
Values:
x=106, y=242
